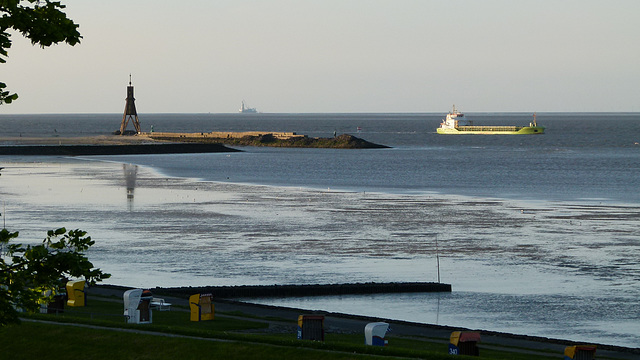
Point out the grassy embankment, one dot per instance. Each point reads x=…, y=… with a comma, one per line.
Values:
x=104, y=335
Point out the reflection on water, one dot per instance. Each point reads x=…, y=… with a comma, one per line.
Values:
x=130, y=173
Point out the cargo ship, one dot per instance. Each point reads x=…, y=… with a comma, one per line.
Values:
x=456, y=123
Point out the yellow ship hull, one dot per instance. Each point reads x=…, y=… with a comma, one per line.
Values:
x=493, y=130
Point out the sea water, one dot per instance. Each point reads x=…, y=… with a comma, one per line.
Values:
x=582, y=156
x=537, y=234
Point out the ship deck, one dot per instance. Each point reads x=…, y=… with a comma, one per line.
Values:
x=490, y=128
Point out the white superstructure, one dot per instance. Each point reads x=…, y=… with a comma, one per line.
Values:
x=455, y=119
x=245, y=109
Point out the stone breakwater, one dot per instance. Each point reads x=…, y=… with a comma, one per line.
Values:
x=271, y=139
x=248, y=291
x=172, y=143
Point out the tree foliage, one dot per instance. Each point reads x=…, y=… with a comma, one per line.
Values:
x=5, y=96
x=27, y=272
x=41, y=21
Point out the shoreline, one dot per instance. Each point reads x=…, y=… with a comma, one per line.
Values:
x=338, y=322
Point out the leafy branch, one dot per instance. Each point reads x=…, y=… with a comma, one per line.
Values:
x=27, y=272
x=41, y=21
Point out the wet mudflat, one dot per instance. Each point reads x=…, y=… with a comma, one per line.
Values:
x=558, y=269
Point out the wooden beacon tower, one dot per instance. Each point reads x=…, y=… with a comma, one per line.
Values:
x=130, y=112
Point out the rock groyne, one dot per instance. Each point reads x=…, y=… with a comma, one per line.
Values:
x=256, y=291
x=272, y=139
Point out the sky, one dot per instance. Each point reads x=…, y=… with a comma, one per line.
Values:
x=335, y=56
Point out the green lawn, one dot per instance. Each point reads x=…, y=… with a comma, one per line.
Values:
x=34, y=340
x=223, y=338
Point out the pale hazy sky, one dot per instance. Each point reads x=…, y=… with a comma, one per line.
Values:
x=302, y=56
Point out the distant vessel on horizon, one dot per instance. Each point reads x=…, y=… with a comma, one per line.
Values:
x=456, y=123
x=246, y=110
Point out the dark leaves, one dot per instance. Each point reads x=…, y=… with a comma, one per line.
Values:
x=27, y=272
x=41, y=21
x=5, y=96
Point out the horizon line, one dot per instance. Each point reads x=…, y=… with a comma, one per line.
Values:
x=328, y=113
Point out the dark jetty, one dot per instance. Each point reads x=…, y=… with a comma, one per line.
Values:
x=130, y=149
x=232, y=292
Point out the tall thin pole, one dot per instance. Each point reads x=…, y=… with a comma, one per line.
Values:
x=437, y=258
x=4, y=217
